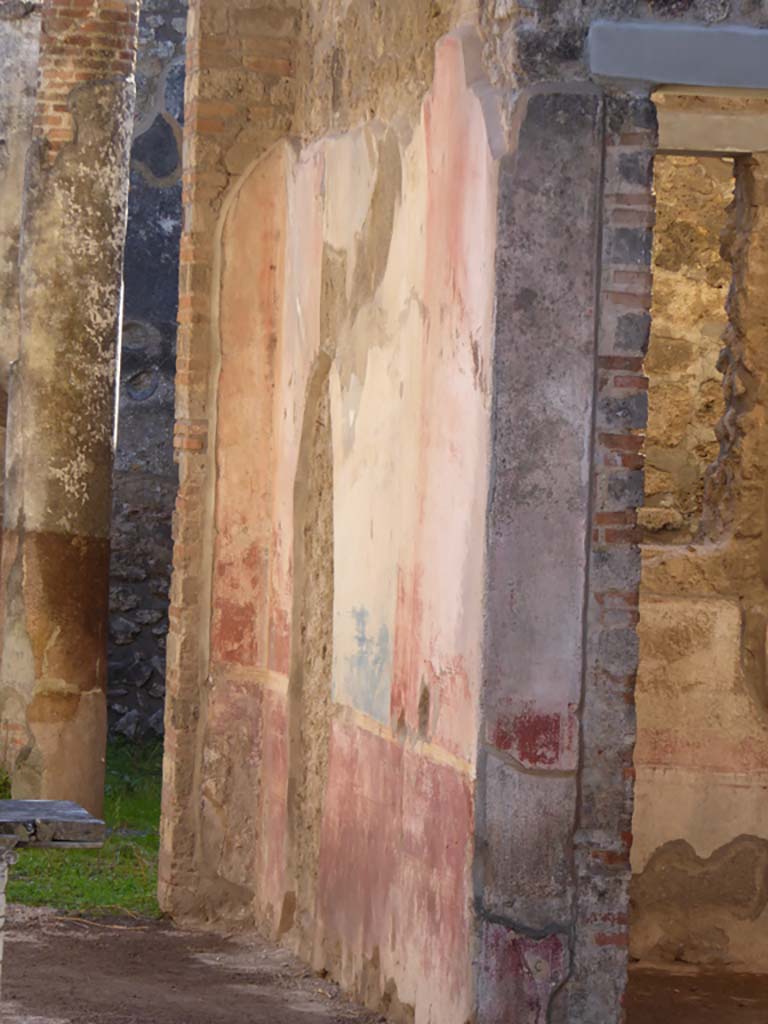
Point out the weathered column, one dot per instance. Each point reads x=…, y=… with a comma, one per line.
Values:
x=61, y=410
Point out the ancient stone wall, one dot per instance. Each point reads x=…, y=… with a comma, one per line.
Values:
x=365, y=255
x=144, y=479
x=354, y=308
x=476, y=269
x=701, y=833
x=546, y=40
x=690, y=285
x=239, y=100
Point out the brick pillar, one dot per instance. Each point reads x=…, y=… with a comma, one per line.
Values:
x=604, y=824
x=55, y=559
x=555, y=777
x=239, y=100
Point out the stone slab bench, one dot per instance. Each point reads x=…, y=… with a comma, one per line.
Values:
x=42, y=824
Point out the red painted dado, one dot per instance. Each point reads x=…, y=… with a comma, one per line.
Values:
x=394, y=865
x=235, y=721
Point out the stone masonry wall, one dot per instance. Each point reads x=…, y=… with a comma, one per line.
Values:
x=534, y=923
x=690, y=285
x=701, y=832
x=144, y=478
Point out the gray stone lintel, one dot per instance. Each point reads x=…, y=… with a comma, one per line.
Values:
x=50, y=823
x=733, y=57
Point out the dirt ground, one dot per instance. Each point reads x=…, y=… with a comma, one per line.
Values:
x=135, y=972
x=58, y=971
x=690, y=996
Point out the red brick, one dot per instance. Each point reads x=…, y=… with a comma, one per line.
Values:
x=622, y=442
x=625, y=517
x=612, y=939
x=620, y=362
x=628, y=536
x=637, y=382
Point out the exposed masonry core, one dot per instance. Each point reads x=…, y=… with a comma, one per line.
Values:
x=700, y=824
x=309, y=688
x=690, y=286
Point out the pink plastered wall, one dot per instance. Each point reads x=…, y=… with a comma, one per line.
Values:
x=409, y=385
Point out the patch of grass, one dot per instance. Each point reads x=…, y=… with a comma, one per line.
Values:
x=121, y=877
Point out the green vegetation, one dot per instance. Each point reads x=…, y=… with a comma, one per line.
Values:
x=121, y=877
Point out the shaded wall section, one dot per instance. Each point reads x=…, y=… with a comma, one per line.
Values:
x=701, y=832
x=144, y=478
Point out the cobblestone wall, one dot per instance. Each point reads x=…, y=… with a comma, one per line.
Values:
x=145, y=475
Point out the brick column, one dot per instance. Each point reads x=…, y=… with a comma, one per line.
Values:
x=61, y=414
x=239, y=100
x=604, y=823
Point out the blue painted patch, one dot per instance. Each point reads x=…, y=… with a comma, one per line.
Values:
x=368, y=672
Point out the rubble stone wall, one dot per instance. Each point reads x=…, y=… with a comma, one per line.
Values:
x=701, y=834
x=144, y=478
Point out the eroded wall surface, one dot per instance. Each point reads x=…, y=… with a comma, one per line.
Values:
x=690, y=286
x=700, y=826
x=284, y=649
x=432, y=801
x=353, y=410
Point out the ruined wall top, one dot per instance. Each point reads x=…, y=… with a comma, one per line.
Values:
x=360, y=60
x=536, y=41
